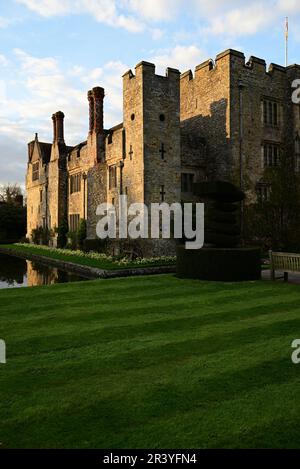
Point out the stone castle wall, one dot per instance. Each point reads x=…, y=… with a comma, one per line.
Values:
x=208, y=124
x=223, y=102
x=205, y=112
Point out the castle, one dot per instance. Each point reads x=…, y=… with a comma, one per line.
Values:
x=229, y=120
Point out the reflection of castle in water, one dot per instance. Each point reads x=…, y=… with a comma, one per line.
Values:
x=16, y=272
x=38, y=274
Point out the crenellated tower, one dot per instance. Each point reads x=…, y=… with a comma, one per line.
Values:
x=152, y=128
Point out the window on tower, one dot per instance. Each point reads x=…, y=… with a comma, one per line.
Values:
x=112, y=172
x=271, y=155
x=263, y=191
x=74, y=222
x=187, y=180
x=75, y=183
x=35, y=171
x=270, y=112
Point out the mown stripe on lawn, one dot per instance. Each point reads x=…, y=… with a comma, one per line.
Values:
x=155, y=363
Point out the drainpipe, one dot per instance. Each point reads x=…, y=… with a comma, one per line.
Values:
x=84, y=177
x=241, y=141
x=121, y=166
x=46, y=208
x=241, y=133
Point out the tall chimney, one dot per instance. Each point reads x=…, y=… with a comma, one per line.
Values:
x=60, y=127
x=96, y=132
x=54, y=128
x=98, y=95
x=91, y=111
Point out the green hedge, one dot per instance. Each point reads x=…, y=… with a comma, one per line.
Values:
x=218, y=264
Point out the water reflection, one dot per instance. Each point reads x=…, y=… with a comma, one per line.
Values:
x=15, y=272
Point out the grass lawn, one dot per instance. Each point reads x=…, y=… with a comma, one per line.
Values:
x=105, y=262
x=150, y=362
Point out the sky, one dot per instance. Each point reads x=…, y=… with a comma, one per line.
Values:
x=53, y=51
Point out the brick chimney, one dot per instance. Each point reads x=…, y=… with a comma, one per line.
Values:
x=91, y=111
x=54, y=128
x=60, y=127
x=96, y=131
x=96, y=98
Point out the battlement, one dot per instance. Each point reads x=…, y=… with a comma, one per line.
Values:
x=232, y=53
x=148, y=68
x=235, y=61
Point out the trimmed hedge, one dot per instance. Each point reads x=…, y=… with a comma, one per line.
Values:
x=219, y=190
x=218, y=264
x=221, y=239
x=94, y=245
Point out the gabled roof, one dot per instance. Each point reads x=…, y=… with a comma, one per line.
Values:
x=44, y=150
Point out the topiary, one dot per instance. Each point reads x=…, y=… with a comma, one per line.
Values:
x=81, y=233
x=62, y=233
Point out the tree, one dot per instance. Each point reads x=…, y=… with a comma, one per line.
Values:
x=12, y=222
x=275, y=223
x=12, y=213
x=10, y=193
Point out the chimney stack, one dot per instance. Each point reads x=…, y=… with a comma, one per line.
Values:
x=96, y=98
x=54, y=128
x=60, y=127
x=91, y=111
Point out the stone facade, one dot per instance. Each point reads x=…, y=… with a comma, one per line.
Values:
x=228, y=102
x=227, y=121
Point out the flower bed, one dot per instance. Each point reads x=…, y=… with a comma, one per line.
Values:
x=94, y=259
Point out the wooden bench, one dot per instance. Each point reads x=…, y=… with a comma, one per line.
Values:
x=284, y=261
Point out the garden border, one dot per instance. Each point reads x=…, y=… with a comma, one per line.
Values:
x=86, y=271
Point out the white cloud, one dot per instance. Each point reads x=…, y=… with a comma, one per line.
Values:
x=225, y=18
x=240, y=21
x=34, y=65
x=48, y=8
x=181, y=57
x=47, y=87
x=155, y=10
x=104, y=11
x=44, y=87
x=289, y=6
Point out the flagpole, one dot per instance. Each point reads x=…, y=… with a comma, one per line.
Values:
x=286, y=41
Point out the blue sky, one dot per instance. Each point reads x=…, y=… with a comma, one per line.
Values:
x=53, y=51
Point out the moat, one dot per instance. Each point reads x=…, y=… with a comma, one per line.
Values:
x=16, y=273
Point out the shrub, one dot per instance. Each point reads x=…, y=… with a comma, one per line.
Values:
x=62, y=233
x=217, y=264
x=72, y=240
x=41, y=235
x=81, y=234
x=94, y=245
